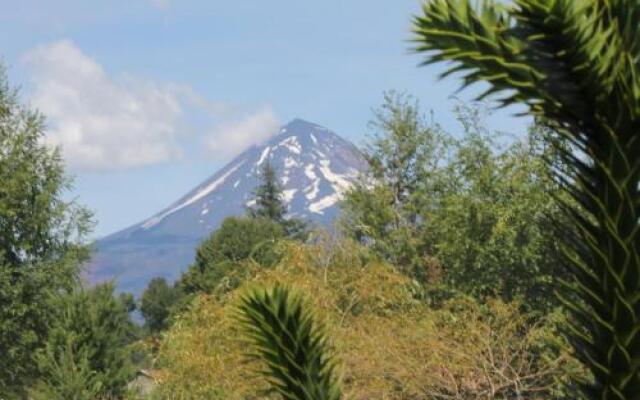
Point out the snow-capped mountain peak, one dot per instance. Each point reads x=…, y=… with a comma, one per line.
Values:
x=314, y=166
x=312, y=180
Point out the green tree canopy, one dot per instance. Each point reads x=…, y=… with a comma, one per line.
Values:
x=491, y=229
x=404, y=154
x=470, y=210
x=237, y=240
x=156, y=303
x=41, y=238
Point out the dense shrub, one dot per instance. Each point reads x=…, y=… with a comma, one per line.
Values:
x=390, y=343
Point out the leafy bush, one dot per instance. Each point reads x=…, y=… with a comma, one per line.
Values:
x=492, y=229
x=390, y=343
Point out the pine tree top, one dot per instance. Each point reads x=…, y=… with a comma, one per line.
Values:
x=268, y=196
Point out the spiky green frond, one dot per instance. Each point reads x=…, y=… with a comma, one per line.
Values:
x=577, y=64
x=561, y=57
x=480, y=43
x=292, y=345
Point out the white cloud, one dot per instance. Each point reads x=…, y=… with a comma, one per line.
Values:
x=230, y=138
x=100, y=122
x=103, y=122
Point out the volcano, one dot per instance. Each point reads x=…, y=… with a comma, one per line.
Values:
x=314, y=166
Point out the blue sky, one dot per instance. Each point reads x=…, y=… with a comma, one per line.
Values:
x=149, y=97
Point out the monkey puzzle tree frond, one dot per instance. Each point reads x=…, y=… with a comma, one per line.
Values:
x=292, y=345
x=478, y=41
x=577, y=65
x=550, y=54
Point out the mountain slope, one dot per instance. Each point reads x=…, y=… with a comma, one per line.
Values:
x=313, y=164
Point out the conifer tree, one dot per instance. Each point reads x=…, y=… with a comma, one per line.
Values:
x=268, y=196
x=269, y=204
x=86, y=350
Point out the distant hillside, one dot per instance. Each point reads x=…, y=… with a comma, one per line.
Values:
x=314, y=165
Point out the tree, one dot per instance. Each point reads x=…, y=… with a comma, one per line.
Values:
x=41, y=238
x=237, y=240
x=71, y=378
x=268, y=196
x=156, y=303
x=269, y=204
x=403, y=156
x=457, y=210
x=292, y=345
x=577, y=65
x=403, y=151
x=489, y=228
x=87, y=349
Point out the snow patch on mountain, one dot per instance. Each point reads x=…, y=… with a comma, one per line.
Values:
x=287, y=195
x=308, y=171
x=339, y=182
x=324, y=203
x=199, y=195
x=263, y=156
x=292, y=144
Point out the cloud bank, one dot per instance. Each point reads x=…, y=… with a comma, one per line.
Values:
x=104, y=122
x=101, y=122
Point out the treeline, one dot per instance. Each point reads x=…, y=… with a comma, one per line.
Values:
x=465, y=221
x=469, y=213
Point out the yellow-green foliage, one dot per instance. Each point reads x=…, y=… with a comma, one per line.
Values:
x=391, y=346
